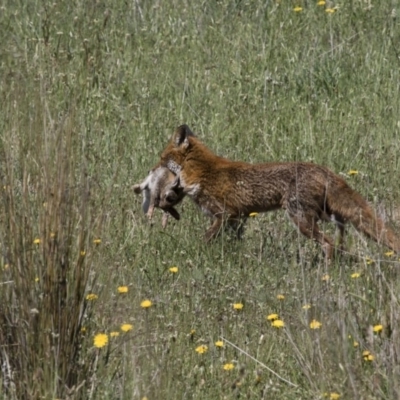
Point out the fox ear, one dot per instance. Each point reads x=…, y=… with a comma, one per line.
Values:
x=181, y=136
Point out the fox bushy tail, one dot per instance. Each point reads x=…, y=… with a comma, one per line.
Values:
x=351, y=206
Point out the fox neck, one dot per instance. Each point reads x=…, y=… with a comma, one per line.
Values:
x=201, y=157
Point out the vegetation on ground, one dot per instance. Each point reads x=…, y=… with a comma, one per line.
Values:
x=96, y=302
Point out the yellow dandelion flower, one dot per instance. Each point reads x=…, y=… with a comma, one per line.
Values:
x=37, y=279
x=321, y=3
x=114, y=334
x=278, y=323
x=367, y=355
x=389, y=253
x=334, y=396
x=100, y=340
x=174, y=270
x=219, y=343
x=331, y=11
x=228, y=366
x=355, y=344
x=146, y=303
x=280, y=297
x=314, y=324
x=355, y=275
x=126, y=327
x=192, y=332
x=97, y=241
x=272, y=317
x=253, y=214
x=306, y=306
x=237, y=306
x=369, y=261
x=325, y=278
x=83, y=253
x=91, y=296
x=298, y=9
x=37, y=241
x=123, y=289
x=202, y=349
x=377, y=328
x=352, y=171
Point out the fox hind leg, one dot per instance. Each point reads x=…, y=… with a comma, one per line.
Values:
x=340, y=231
x=309, y=228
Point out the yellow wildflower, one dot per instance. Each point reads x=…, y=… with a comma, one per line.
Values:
x=114, y=334
x=100, y=340
x=334, y=396
x=37, y=241
x=146, y=303
x=377, y=328
x=389, y=253
x=91, y=296
x=367, y=355
x=352, y=171
x=314, y=324
x=253, y=214
x=97, y=241
x=326, y=278
x=355, y=275
x=272, y=317
x=219, y=343
x=278, y=323
x=126, y=327
x=83, y=253
x=321, y=3
x=355, y=344
x=297, y=9
x=123, y=289
x=238, y=306
x=306, y=306
x=202, y=349
x=174, y=270
x=369, y=261
x=228, y=366
x=280, y=297
x=330, y=11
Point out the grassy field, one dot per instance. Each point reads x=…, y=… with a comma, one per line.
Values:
x=90, y=93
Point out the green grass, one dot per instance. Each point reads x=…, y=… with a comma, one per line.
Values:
x=90, y=93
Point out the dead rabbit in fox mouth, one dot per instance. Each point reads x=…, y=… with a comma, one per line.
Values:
x=154, y=188
x=231, y=190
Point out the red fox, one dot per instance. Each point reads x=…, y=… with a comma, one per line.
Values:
x=157, y=183
x=231, y=190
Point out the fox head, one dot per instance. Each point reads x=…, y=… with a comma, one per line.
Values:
x=179, y=146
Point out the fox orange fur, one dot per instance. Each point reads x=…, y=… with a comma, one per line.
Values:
x=231, y=190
